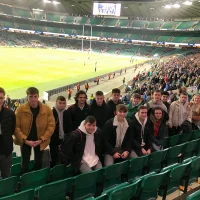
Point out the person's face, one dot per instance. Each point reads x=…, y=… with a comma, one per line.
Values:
x=99, y=100
x=157, y=96
x=81, y=99
x=164, y=98
x=121, y=115
x=115, y=96
x=2, y=97
x=183, y=98
x=158, y=114
x=196, y=99
x=136, y=101
x=142, y=114
x=33, y=100
x=61, y=105
x=90, y=128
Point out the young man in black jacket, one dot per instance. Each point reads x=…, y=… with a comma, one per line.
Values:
x=117, y=137
x=78, y=111
x=7, y=129
x=62, y=126
x=142, y=132
x=100, y=110
x=83, y=147
x=112, y=103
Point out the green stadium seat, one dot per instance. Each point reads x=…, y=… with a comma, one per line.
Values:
x=150, y=185
x=194, y=196
x=53, y=17
x=85, y=185
x=54, y=191
x=191, y=149
x=26, y=195
x=34, y=179
x=138, y=23
x=155, y=24
x=195, y=170
x=69, y=19
x=186, y=25
x=113, y=174
x=156, y=160
x=95, y=21
x=176, y=175
x=16, y=160
x=14, y=154
x=137, y=167
x=8, y=186
x=16, y=170
x=185, y=137
x=124, y=22
x=196, y=134
x=166, y=142
x=110, y=22
x=23, y=13
x=174, y=140
x=127, y=192
x=61, y=172
x=175, y=154
x=6, y=9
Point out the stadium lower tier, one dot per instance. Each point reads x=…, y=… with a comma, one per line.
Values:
x=33, y=40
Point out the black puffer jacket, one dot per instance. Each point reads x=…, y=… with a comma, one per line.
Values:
x=8, y=123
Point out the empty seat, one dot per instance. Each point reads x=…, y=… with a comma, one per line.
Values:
x=16, y=160
x=194, y=196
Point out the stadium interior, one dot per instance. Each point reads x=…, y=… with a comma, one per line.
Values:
x=138, y=47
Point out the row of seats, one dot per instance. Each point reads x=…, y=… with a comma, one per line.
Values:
x=111, y=183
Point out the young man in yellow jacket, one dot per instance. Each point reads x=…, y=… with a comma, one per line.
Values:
x=35, y=125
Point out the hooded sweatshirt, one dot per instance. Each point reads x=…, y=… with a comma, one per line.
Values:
x=89, y=155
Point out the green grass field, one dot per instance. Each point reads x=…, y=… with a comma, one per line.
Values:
x=49, y=68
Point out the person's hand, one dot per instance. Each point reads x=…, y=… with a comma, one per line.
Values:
x=59, y=148
x=149, y=151
x=38, y=142
x=125, y=154
x=170, y=126
x=68, y=165
x=144, y=151
x=117, y=155
x=30, y=143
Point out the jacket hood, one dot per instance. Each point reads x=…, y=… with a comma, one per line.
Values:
x=82, y=128
x=137, y=117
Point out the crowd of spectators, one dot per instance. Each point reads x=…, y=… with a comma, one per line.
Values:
x=81, y=134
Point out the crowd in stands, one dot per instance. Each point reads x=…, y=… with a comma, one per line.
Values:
x=81, y=134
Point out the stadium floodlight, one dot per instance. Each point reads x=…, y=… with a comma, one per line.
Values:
x=37, y=9
x=176, y=5
x=168, y=6
x=55, y=2
x=72, y=5
x=188, y=3
x=47, y=1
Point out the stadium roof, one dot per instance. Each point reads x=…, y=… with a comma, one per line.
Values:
x=131, y=8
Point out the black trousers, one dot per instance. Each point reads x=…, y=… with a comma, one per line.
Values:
x=26, y=153
x=174, y=131
x=5, y=165
x=54, y=151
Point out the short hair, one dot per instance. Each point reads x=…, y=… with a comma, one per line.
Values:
x=116, y=90
x=32, y=90
x=165, y=93
x=99, y=93
x=156, y=91
x=121, y=108
x=136, y=95
x=61, y=98
x=2, y=91
x=184, y=93
x=142, y=107
x=91, y=119
x=78, y=94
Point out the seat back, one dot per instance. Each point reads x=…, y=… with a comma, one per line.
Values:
x=136, y=166
x=113, y=174
x=174, y=154
x=185, y=137
x=8, y=186
x=166, y=142
x=16, y=160
x=60, y=172
x=174, y=140
x=54, y=191
x=34, y=179
x=194, y=196
x=195, y=169
x=85, y=184
x=191, y=149
x=155, y=161
x=25, y=195
x=127, y=192
x=16, y=170
x=14, y=154
x=150, y=185
x=196, y=134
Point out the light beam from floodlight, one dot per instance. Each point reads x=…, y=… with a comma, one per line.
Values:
x=55, y=2
x=188, y=3
x=47, y=1
x=168, y=6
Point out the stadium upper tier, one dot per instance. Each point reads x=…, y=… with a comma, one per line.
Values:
x=32, y=40
x=9, y=10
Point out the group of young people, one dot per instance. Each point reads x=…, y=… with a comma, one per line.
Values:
x=91, y=136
